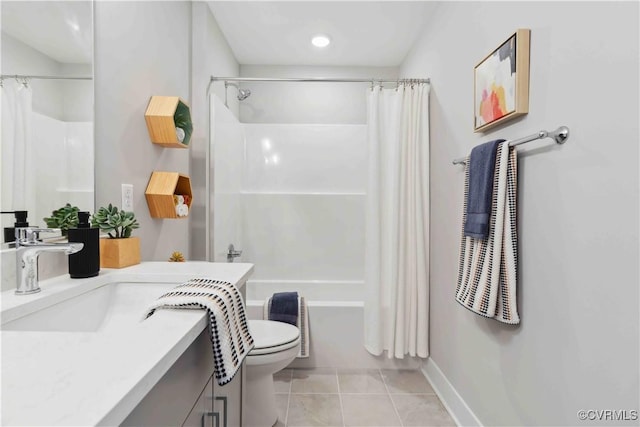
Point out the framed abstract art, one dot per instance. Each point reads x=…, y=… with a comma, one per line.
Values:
x=501, y=83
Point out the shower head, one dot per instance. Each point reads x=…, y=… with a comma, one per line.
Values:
x=243, y=94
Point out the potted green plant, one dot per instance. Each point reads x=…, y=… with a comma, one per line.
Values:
x=120, y=249
x=64, y=218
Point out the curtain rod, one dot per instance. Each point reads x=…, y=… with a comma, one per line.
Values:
x=316, y=80
x=311, y=80
x=560, y=135
x=23, y=76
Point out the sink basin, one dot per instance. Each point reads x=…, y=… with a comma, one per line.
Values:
x=113, y=306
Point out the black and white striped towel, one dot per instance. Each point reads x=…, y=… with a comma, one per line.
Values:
x=228, y=329
x=302, y=324
x=487, y=270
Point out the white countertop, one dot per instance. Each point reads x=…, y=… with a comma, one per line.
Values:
x=96, y=378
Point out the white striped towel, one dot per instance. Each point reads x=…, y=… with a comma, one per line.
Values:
x=302, y=323
x=228, y=329
x=487, y=270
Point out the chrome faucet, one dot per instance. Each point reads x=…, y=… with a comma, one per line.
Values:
x=28, y=247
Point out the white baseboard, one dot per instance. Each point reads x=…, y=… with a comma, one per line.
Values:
x=449, y=396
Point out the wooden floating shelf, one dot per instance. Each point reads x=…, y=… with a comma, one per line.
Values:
x=164, y=114
x=160, y=191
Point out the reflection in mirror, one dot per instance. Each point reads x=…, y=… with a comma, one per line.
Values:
x=47, y=107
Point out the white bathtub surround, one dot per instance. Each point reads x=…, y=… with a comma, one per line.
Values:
x=313, y=290
x=226, y=153
x=305, y=158
x=336, y=330
x=397, y=222
x=97, y=376
x=336, y=322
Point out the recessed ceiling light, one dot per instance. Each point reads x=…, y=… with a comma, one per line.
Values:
x=320, y=41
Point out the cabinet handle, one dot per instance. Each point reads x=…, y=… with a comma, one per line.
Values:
x=213, y=415
x=224, y=408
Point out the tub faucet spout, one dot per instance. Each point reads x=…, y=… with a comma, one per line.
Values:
x=28, y=247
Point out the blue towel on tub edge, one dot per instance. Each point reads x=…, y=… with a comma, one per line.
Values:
x=284, y=307
x=482, y=164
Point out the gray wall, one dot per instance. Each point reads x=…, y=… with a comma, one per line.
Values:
x=141, y=49
x=577, y=345
x=214, y=58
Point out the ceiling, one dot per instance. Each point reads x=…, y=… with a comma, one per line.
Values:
x=61, y=30
x=362, y=33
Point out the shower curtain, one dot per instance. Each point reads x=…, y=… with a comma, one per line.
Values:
x=397, y=222
x=18, y=170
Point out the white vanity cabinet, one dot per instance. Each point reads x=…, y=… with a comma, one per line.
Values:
x=217, y=406
x=227, y=402
x=202, y=413
x=188, y=394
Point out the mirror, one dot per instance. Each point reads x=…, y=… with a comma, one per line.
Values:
x=47, y=110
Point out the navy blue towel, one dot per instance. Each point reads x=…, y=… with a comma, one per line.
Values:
x=284, y=307
x=482, y=166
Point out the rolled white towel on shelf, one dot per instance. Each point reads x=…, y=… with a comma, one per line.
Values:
x=181, y=205
x=182, y=210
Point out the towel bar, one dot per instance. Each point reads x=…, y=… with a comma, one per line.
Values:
x=560, y=135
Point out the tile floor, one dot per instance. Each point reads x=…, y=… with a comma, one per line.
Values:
x=357, y=398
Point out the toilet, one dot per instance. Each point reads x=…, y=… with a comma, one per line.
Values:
x=276, y=345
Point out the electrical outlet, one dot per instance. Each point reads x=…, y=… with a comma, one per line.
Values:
x=127, y=197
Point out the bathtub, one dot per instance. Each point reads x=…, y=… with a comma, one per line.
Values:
x=336, y=325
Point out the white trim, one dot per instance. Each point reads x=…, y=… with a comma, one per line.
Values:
x=449, y=396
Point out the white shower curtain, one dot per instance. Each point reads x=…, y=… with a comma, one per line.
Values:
x=18, y=168
x=397, y=222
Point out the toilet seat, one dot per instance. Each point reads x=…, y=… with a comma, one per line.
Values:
x=272, y=337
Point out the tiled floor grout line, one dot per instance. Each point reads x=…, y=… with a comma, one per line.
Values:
x=317, y=392
x=390, y=398
x=286, y=413
x=340, y=399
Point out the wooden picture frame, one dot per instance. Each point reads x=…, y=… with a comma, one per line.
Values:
x=501, y=83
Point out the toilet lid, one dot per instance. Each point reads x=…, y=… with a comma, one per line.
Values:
x=270, y=336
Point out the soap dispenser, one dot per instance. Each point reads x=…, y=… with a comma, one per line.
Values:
x=21, y=221
x=85, y=263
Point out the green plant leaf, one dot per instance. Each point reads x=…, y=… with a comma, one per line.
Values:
x=63, y=218
x=116, y=223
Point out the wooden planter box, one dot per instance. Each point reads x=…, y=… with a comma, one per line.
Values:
x=119, y=253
